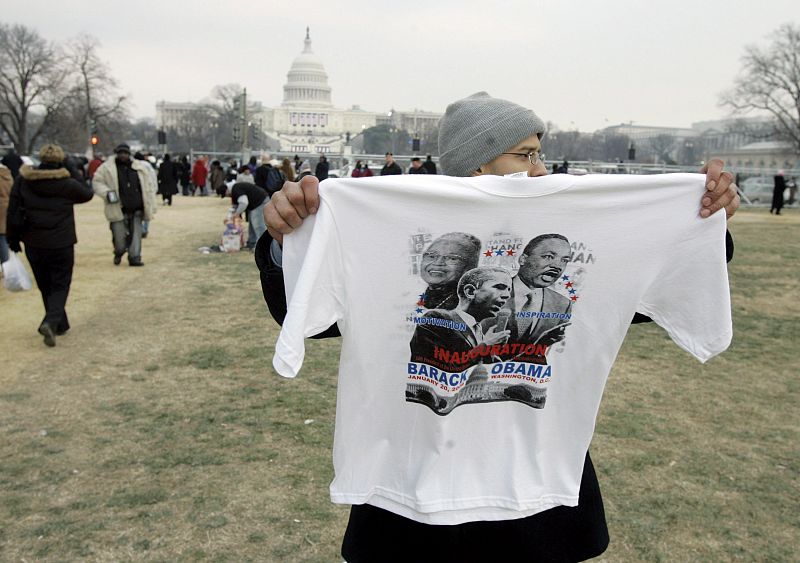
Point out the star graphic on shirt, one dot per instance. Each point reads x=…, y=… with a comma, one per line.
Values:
x=488, y=252
x=510, y=252
x=418, y=310
x=574, y=298
x=422, y=296
x=420, y=303
x=572, y=291
x=565, y=278
x=498, y=252
x=568, y=284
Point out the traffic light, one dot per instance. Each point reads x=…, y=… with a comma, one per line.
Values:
x=237, y=106
x=95, y=139
x=631, y=152
x=162, y=137
x=415, y=145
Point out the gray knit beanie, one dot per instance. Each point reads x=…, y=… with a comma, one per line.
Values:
x=478, y=128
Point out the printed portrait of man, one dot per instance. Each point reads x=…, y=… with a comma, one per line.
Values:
x=541, y=264
x=443, y=263
x=482, y=293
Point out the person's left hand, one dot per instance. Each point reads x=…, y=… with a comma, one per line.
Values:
x=720, y=190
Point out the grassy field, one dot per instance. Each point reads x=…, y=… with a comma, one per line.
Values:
x=156, y=430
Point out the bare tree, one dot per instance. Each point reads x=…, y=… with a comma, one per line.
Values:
x=31, y=76
x=94, y=88
x=770, y=82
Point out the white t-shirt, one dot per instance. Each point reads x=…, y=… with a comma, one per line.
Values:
x=445, y=422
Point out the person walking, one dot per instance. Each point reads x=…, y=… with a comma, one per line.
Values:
x=322, y=168
x=777, y=193
x=430, y=165
x=199, y=175
x=167, y=180
x=185, y=175
x=126, y=188
x=390, y=168
x=218, y=178
x=261, y=173
x=47, y=195
x=288, y=170
x=474, y=140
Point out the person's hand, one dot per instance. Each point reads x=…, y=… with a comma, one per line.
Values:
x=720, y=190
x=290, y=206
x=494, y=336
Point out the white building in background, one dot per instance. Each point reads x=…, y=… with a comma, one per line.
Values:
x=306, y=121
x=172, y=115
x=762, y=154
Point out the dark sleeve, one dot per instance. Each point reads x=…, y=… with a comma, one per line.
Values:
x=78, y=192
x=640, y=318
x=273, y=288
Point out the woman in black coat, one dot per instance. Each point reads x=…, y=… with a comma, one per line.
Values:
x=40, y=215
x=167, y=180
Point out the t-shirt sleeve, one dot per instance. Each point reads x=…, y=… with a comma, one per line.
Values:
x=690, y=295
x=313, y=275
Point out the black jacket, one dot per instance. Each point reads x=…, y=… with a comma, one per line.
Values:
x=321, y=170
x=255, y=195
x=168, y=178
x=391, y=169
x=47, y=195
x=261, y=175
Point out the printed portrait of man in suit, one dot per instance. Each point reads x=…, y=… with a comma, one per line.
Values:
x=540, y=314
x=482, y=294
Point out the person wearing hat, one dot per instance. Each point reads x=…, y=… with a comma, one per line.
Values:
x=40, y=215
x=478, y=135
x=128, y=189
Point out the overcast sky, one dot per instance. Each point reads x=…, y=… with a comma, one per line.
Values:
x=580, y=64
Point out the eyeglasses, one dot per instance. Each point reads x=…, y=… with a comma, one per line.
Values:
x=533, y=156
x=449, y=259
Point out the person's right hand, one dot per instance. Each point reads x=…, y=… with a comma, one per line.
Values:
x=493, y=336
x=289, y=207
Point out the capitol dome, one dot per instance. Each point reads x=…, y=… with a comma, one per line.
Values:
x=307, y=81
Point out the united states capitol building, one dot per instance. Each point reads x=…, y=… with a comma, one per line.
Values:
x=307, y=121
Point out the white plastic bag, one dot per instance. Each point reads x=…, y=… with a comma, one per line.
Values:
x=15, y=277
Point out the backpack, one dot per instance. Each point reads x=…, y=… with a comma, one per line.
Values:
x=275, y=180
